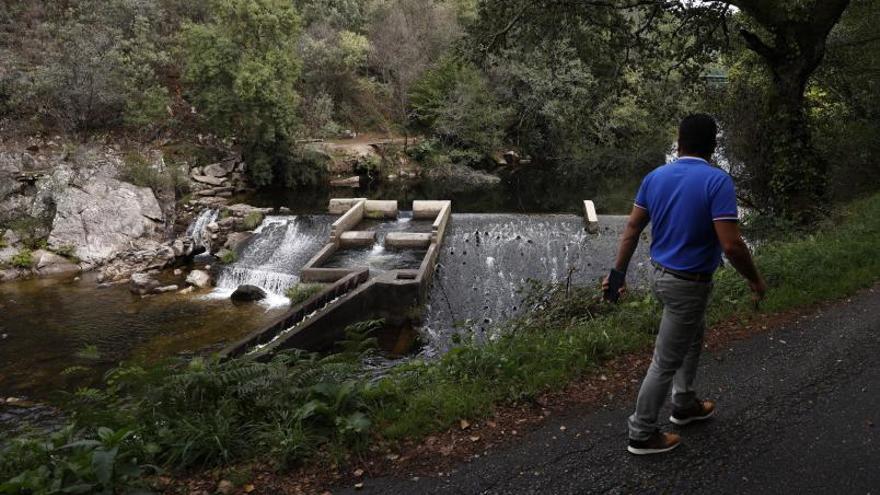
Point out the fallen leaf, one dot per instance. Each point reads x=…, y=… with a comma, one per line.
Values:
x=249, y=488
x=358, y=473
x=491, y=424
x=474, y=438
x=562, y=428
x=358, y=486
x=465, y=424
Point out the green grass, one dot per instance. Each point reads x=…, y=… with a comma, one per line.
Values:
x=302, y=292
x=302, y=406
x=252, y=220
x=228, y=256
x=23, y=259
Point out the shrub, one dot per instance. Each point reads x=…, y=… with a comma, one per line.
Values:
x=253, y=220
x=228, y=256
x=302, y=292
x=23, y=259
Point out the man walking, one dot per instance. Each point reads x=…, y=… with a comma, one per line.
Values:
x=691, y=206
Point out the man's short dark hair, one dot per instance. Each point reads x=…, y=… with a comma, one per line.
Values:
x=697, y=134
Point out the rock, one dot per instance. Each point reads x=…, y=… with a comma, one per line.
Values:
x=104, y=217
x=211, y=181
x=178, y=272
x=48, y=263
x=242, y=210
x=183, y=246
x=167, y=288
x=213, y=227
x=248, y=293
x=6, y=254
x=353, y=181
x=235, y=239
x=225, y=487
x=511, y=157
x=142, y=283
x=10, y=274
x=186, y=290
x=216, y=170
x=199, y=278
x=10, y=237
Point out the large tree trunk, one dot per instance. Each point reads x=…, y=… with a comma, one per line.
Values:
x=798, y=178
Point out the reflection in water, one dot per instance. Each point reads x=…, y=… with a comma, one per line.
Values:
x=48, y=322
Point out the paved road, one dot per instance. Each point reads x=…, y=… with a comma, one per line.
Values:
x=799, y=413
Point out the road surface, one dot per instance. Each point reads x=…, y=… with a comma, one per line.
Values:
x=799, y=412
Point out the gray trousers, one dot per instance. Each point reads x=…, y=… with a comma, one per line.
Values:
x=676, y=351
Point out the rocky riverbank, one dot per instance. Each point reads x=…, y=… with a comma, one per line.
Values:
x=66, y=208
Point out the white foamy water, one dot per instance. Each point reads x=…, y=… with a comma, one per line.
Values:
x=197, y=228
x=273, y=258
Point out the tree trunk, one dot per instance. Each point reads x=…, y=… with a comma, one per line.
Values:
x=798, y=179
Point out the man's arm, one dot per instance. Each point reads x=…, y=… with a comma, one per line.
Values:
x=638, y=220
x=738, y=253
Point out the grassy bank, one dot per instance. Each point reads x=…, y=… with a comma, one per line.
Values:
x=303, y=406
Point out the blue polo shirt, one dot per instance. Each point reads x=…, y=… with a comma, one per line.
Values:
x=683, y=199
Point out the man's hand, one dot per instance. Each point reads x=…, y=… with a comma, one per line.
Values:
x=605, y=285
x=759, y=289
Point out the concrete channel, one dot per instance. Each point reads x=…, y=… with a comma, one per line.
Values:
x=354, y=294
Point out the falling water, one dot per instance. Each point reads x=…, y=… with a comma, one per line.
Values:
x=196, y=229
x=487, y=260
x=273, y=258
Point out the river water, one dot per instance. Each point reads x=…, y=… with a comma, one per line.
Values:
x=61, y=334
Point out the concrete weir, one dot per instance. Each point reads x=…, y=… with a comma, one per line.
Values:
x=355, y=293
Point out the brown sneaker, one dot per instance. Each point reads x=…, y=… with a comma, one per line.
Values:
x=703, y=409
x=655, y=444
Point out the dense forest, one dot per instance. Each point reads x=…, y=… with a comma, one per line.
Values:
x=591, y=86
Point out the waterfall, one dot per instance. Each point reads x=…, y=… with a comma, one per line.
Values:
x=273, y=258
x=196, y=229
x=487, y=259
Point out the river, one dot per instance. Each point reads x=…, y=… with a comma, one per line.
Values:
x=58, y=334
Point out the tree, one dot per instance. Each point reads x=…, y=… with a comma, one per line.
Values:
x=792, y=45
x=407, y=37
x=788, y=35
x=242, y=72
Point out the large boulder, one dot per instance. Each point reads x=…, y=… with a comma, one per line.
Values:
x=142, y=283
x=104, y=217
x=199, y=278
x=47, y=263
x=248, y=293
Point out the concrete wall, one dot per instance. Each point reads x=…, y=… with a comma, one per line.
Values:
x=348, y=221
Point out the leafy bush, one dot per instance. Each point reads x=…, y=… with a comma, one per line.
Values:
x=67, y=462
x=171, y=180
x=301, y=292
x=23, y=259
x=242, y=85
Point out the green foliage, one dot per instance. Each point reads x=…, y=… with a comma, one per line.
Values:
x=456, y=102
x=243, y=85
x=253, y=220
x=65, y=462
x=301, y=292
x=33, y=231
x=228, y=257
x=23, y=259
x=170, y=179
